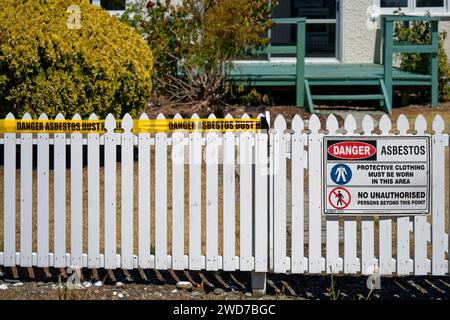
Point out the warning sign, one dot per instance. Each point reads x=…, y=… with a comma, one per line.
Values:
x=376, y=175
x=339, y=198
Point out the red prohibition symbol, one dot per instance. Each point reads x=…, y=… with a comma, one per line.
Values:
x=339, y=198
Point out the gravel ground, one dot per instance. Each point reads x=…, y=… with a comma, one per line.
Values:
x=38, y=284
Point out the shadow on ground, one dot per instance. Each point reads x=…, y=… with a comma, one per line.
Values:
x=237, y=284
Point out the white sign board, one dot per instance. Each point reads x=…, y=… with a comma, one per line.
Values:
x=376, y=175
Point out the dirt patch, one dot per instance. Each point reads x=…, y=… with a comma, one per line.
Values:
x=151, y=285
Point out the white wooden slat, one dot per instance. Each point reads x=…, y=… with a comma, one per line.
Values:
x=26, y=197
x=144, y=188
x=9, y=198
x=43, y=198
x=368, y=265
x=438, y=198
x=245, y=199
x=93, y=180
x=195, y=199
x=279, y=228
x=76, y=198
x=229, y=210
x=271, y=196
x=385, y=223
x=261, y=201
x=332, y=223
x=315, y=189
x=110, y=169
x=350, y=223
x=178, y=186
x=403, y=267
x=297, y=197
x=161, y=199
x=212, y=193
x=127, y=192
x=403, y=222
x=60, y=210
x=420, y=222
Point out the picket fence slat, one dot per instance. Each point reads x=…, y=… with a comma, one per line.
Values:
x=93, y=180
x=161, y=199
x=385, y=223
x=178, y=199
x=279, y=219
x=271, y=202
x=195, y=199
x=144, y=188
x=9, y=198
x=246, y=200
x=127, y=160
x=403, y=222
x=368, y=262
x=212, y=205
x=76, y=198
x=438, y=198
x=26, y=197
x=43, y=198
x=297, y=197
x=420, y=222
x=60, y=210
x=110, y=193
x=332, y=224
x=229, y=210
x=261, y=202
x=350, y=223
x=315, y=189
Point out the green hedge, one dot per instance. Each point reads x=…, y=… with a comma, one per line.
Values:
x=104, y=67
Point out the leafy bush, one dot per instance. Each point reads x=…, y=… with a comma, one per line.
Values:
x=200, y=39
x=419, y=32
x=47, y=67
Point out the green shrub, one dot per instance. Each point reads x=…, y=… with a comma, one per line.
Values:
x=104, y=67
x=201, y=39
x=419, y=32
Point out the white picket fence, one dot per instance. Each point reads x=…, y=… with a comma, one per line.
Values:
x=233, y=201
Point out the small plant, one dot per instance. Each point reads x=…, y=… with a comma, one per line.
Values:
x=253, y=97
x=419, y=32
x=334, y=295
x=61, y=290
x=196, y=43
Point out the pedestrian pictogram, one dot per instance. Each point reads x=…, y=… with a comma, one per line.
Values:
x=339, y=198
x=341, y=174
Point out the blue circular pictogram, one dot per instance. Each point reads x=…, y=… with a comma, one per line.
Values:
x=341, y=174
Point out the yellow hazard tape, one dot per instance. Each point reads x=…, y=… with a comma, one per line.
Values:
x=139, y=126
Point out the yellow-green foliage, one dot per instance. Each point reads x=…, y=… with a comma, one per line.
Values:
x=46, y=67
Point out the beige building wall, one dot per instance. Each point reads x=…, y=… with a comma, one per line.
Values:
x=361, y=39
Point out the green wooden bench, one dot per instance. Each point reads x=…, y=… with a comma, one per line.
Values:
x=265, y=73
x=303, y=77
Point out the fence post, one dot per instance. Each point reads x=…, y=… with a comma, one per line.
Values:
x=258, y=283
x=260, y=210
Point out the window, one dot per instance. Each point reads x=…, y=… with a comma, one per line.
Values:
x=429, y=3
x=111, y=5
x=412, y=6
x=115, y=5
x=321, y=28
x=394, y=3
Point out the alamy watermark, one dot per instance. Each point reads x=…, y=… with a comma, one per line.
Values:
x=74, y=17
